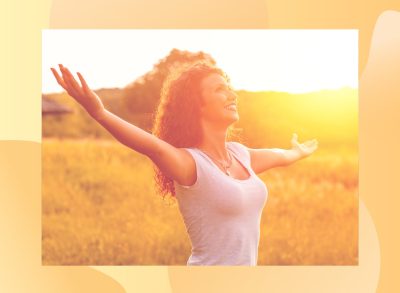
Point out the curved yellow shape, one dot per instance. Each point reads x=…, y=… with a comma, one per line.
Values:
x=327, y=279
x=21, y=268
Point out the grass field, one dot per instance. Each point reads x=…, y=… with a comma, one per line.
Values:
x=99, y=208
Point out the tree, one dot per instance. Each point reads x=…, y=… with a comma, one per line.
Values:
x=142, y=95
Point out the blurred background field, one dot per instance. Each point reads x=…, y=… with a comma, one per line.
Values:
x=99, y=205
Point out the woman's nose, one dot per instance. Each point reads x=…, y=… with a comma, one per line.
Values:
x=233, y=95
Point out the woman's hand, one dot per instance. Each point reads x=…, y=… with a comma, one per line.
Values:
x=82, y=94
x=305, y=149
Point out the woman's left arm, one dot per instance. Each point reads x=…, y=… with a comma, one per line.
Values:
x=264, y=159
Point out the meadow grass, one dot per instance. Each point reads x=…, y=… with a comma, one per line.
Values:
x=99, y=207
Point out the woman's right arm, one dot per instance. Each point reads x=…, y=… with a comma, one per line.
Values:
x=175, y=163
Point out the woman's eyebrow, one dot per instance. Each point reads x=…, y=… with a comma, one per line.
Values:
x=223, y=85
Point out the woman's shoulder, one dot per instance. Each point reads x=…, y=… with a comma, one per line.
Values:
x=195, y=154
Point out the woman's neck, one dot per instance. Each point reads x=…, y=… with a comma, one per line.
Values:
x=214, y=142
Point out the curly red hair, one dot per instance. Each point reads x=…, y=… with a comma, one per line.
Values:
x=177, y=119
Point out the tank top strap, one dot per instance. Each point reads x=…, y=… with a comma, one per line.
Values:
x=241, y=151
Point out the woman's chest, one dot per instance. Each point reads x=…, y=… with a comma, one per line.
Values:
x=236, y=197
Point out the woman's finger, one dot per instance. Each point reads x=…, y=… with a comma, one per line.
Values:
x=294, y=137
x=68, y=85
x=73, y=82
x=64, y=76
x=310, y=142
x=60, y=81
x=71, y=90
x=83, y=82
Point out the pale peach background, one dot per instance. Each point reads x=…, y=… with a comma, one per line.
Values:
x=20, y=150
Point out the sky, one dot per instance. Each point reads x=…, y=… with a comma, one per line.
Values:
x=294, y=61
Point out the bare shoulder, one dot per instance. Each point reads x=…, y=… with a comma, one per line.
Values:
x=186, y=156
x=187, y=164
x=176, y=163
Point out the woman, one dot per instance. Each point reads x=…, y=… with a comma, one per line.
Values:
x=219, y=194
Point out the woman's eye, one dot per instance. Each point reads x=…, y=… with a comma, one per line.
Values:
x=225, y=88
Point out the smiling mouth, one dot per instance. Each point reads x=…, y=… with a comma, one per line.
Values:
x=231, y=107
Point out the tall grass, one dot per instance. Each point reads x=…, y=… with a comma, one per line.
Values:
x=100, y=208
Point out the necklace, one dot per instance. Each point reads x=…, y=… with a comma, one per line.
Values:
x=224, y=165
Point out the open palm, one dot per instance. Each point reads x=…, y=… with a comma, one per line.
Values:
x=81, y=93
x=306, y=148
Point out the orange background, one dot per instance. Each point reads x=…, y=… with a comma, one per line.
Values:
x=20, y=149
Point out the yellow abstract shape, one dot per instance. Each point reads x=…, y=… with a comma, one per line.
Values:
x=20, y=75
x=20, y=208
x=139, y=278
x=340, y=14
x=21, y=267
x=327, y=279
x=380, y=142
x=153, y=14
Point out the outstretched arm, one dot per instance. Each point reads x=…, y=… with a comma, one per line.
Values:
x=123, y=131
x=264, y=159
x=176, y=163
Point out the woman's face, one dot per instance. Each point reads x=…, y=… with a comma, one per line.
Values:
x=219, y=100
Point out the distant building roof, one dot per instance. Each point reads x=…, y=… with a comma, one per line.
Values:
x=52, y=107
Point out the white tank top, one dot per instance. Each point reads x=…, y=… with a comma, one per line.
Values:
x=222, y=214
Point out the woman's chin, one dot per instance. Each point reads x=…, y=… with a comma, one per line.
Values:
x=234, y=118
x=226, y=120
